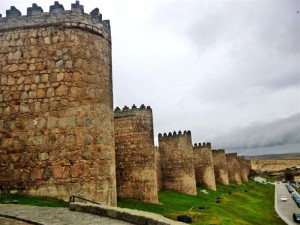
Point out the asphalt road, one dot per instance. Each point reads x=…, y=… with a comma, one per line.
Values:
x=285, y=209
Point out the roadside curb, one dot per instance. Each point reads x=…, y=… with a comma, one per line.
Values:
x=128, y=215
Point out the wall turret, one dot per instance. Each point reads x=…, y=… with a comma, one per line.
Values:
x=243, y=167
x=234, y=169
x=56, y=111
x=176, y=153
x=58, y=17
x=135, y=153
x=220, y=166
x=204, y=165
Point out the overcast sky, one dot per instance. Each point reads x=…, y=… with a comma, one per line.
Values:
x=229, y=71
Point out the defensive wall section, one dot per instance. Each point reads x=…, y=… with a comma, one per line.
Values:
x=234, y=170
x=56, y=103
x=204, y=166
x=244, y=170
x=59, y=134
x=135, y=154
x=177, y=160
x=248, y=165
x=220, y=166
x=158, y=165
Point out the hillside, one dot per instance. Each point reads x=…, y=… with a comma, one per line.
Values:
x=274, y=162
x=249, y=203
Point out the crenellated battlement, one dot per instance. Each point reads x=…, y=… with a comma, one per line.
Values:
x=204, y=165
x=58, y=17
x=234, y=154
x=234, y=168
x=125, y=111
x=202, y=145
x=174, y=134
x=134, y=140
x=177, y=157
x=218, y=151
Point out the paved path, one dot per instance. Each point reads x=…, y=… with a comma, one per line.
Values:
x=8, y=221
x=54, y=216
x=285, y=209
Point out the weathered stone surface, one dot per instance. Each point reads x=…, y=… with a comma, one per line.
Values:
x=17, y=55
x=17, y=95
x=13, y=68
x=36, y=173
x=47, y=41
x=57, y=172
x=24, y=108
x=220, y=166
x=43, y=156
x=158, y=165
x=135, y=154
x=244, y=168
x=44, y=78
x=59, y=64
x=40, y=93
x=234, y=170
x=177, y=159
x=42, y=116
x=61, y=90
x=204, y=166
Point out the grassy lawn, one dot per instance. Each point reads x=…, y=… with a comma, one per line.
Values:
x=249, y=203
x=31, y=200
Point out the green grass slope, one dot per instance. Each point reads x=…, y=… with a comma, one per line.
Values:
x=32, y=200
x=249, y=203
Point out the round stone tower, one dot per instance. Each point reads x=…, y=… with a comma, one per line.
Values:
x=177, y=162
x=234, y=169
x=56, y=103
x=220, y=166
x=135, y=154
x=204, y=166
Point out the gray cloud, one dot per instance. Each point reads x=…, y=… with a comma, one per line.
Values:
x=284, y=131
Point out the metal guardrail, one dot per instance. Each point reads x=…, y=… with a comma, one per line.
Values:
x=72, y=199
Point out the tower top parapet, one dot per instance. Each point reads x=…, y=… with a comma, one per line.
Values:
x=219, y=151
x=174, y=134
x=233, y=154
x=126, y=110
x=57, y=16
x=202, y=145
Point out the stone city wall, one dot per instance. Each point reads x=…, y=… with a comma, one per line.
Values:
x=56, y=104
x=234, y=170
x=158, y=169
x=135, y=154
x=204, y=166
x=248, y=165
x=220, y=166
x=244, y=170
x=177, y=159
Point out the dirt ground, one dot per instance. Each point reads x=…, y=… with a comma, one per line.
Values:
x=273, y=164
